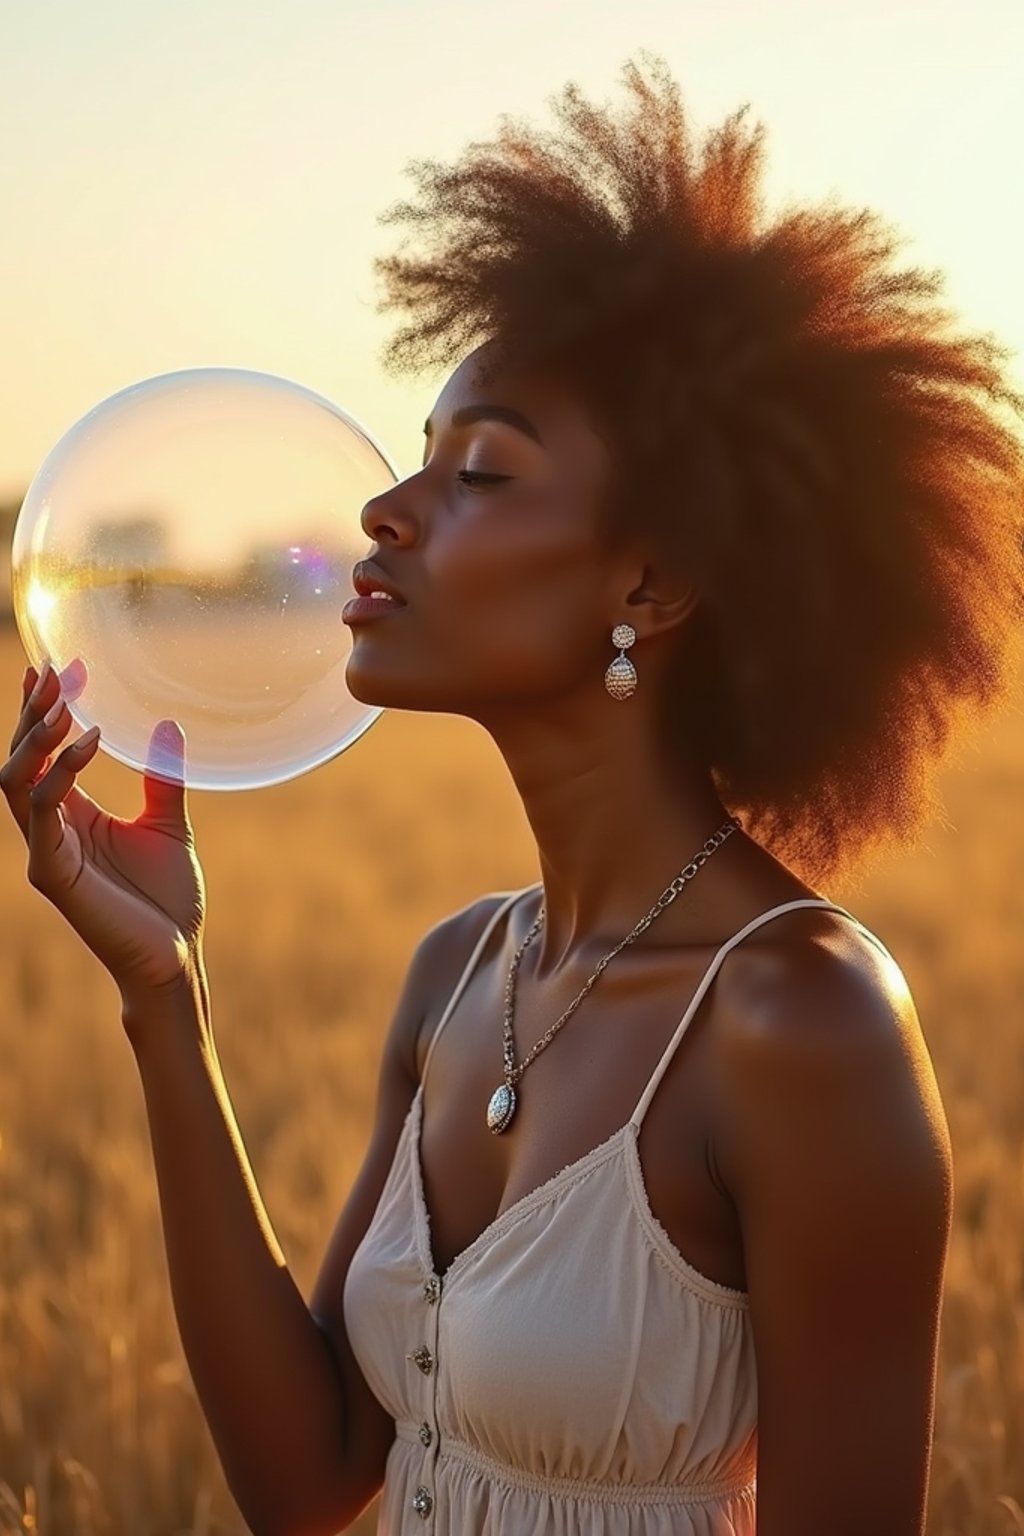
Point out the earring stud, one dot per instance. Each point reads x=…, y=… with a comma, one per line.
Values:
x=620, y=678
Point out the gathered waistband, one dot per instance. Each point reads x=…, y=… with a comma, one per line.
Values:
x=704, y=1492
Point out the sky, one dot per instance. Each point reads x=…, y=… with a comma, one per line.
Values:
x=199, y=184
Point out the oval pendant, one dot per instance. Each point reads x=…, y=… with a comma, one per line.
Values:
x=501, y=1108
x=620, y=678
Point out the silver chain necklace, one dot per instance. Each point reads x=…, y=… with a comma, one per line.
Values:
x=502, y=1104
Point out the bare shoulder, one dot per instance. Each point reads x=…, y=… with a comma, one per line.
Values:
x=467, y=921
x=439, y=960
x=821, y=1023
x=831, y=1138
x=451, y=939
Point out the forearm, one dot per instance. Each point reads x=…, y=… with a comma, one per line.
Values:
x=263, y=1371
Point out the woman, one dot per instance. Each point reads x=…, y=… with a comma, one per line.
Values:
x=716, y=515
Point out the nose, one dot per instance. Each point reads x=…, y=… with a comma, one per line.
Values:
x=388, y=518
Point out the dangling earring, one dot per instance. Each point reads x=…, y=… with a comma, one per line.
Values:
x=620, y=678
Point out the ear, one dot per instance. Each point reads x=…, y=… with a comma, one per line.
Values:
x=661, y=602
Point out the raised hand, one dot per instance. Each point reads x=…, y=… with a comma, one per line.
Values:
x=133, y=890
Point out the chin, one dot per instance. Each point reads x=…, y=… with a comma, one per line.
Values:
x=387, y=687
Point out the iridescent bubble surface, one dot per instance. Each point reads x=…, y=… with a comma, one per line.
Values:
x=184, y=553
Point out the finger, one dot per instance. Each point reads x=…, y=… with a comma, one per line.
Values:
x=29, y=761
x=28, y=684
x=39, y=690
x=59, y=867
x=163, y=784
x=41, y=695
x=54, y=864
x=98, y=908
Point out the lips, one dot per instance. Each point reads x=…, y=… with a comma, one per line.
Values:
x=368, y=578
x=357, y=609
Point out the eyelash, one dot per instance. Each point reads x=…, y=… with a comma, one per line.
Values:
x=471, y=477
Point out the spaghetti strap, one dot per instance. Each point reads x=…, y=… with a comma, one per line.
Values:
x=709, y=975
x=467, y=971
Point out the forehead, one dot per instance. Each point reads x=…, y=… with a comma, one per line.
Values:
x=544, y=397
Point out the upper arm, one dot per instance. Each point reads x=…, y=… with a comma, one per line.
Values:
x=433, y=970
x=835, y=1148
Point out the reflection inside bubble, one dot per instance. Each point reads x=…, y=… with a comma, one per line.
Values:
x=184, y=553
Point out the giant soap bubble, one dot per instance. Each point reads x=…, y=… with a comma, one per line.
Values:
x=184, y=552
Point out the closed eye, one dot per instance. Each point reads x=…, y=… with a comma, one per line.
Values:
x=473, y=477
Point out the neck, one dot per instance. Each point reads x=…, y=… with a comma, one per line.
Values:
x=614, y=824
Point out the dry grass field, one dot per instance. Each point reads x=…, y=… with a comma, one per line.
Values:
x=318, y=893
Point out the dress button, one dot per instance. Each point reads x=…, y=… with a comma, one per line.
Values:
x=423, y=1358
x=432, y=1289
x=422, y=1503
x=426, y=1433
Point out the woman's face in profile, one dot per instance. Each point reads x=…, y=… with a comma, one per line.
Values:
x=495, y=546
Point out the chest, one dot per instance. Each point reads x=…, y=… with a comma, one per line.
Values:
x=575, y=1095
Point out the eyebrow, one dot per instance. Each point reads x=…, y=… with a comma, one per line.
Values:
x=506, y=413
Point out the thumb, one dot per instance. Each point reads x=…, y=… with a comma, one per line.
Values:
x=163, y=783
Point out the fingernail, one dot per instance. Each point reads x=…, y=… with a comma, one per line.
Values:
x=87, y=738
x=73, y=679
x=50, y=718
x=40, y=682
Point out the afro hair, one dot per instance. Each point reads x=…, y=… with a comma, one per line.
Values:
x=796, y=421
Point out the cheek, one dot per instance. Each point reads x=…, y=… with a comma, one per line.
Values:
x=503, y=551
x=524, y=611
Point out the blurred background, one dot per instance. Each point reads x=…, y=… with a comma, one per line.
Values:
x=197, y=185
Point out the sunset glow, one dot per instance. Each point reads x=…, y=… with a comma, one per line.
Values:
x=200, y=184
